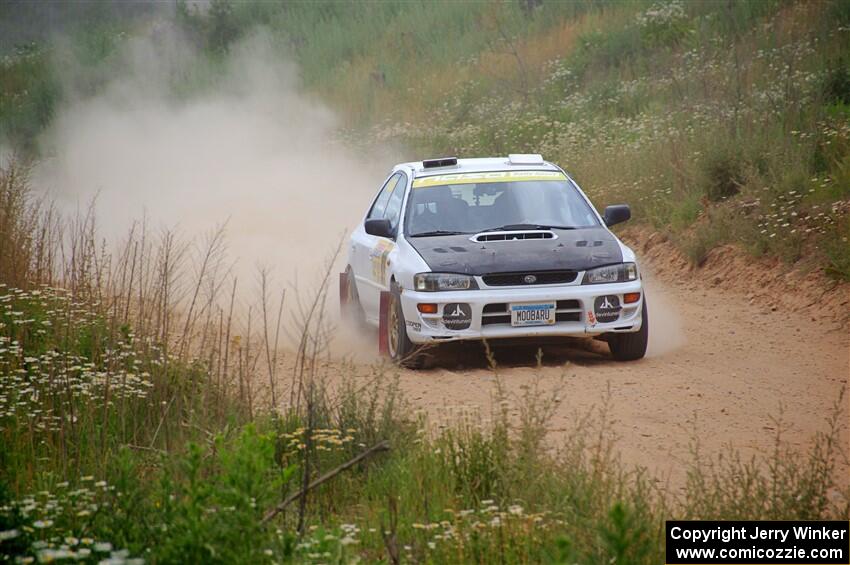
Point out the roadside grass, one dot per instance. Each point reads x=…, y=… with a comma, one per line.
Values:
x=709, y=111
x=136, y=425
x=713, y=140
x=136, y=411
x=701, y=105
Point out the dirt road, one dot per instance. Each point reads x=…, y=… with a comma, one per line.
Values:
x=717, y=366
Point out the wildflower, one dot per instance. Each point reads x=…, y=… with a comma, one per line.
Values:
x=50, y=555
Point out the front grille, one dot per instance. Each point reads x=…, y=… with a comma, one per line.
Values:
x=490, y=320
x=518, y=279
x=497, y=313
x=568, y=316
x=495, y=308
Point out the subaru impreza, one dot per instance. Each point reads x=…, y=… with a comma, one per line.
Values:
x=491, y=249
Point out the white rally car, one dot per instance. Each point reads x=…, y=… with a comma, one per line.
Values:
x=486, y=249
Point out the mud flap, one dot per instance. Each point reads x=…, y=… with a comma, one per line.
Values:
x=343, y=295
x=383, y=322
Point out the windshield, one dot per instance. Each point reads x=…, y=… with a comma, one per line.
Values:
x=472, y=207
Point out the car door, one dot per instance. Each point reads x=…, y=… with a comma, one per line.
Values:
x=371, y=252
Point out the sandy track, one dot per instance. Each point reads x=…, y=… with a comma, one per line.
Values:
x=718, y=366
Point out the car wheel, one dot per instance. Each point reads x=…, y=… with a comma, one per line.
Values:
x=400, y=348
x=631, y=346
x=352, y=311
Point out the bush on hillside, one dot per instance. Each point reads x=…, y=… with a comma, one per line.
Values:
x=723, y=169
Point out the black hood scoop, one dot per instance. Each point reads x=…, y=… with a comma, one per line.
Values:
x=513, y=235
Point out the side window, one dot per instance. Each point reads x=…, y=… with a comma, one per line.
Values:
x=393, y=211
x=380, y=205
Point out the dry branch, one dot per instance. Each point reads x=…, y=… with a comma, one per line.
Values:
x=382, y=446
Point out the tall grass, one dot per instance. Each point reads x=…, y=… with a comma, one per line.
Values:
x=135, y=424
x=144, y=410
x=727, y=122
x=122, y=368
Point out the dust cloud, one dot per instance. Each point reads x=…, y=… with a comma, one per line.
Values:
x=252, y=150
x=666, y=333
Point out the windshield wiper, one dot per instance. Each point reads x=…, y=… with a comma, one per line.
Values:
x=513, y=227
x=437, y=232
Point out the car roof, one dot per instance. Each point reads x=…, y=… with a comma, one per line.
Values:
x=477, y=165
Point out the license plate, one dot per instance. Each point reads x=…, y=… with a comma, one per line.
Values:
x=533, y=314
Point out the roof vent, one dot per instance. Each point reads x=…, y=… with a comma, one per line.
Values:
x=525, y=159
x=441, y=162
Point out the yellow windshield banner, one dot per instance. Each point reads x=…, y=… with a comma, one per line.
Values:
x=494, y=176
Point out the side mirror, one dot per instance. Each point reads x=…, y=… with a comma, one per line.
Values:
x=616, y=214
x=379, y=227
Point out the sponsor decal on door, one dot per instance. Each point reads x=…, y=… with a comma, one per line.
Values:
x=378, y=256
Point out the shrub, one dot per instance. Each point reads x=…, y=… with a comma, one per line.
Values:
x=836, y=84
x=837, y=250
x=477, y=461
x=664, y=23
x=723, y=174
x=627, y=537
x=702, y=240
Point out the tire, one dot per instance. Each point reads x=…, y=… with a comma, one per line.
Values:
x=401, y=350
x=352, y=311
x=631, y=346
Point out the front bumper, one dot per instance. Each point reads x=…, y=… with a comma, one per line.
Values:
x=574, y=314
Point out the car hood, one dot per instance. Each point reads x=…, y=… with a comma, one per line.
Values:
x=574, y=250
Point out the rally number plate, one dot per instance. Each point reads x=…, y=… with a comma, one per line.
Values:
x=533, y=314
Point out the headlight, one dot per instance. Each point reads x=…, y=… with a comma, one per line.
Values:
x=431, y=282
x=611, y=274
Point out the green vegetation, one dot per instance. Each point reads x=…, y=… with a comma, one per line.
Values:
x=719, y=122
x=135, y=412
x=136, y=425
x=727, y=122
